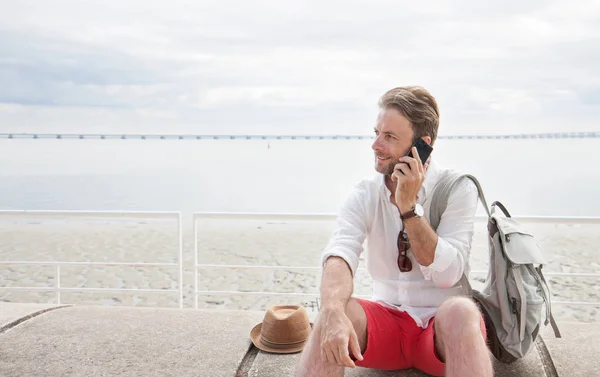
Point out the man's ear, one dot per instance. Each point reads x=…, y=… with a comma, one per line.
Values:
x=427, y=139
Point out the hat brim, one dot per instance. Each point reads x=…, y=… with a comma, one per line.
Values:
x=255, y=337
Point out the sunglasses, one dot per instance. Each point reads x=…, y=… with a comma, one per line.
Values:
x=404, y=264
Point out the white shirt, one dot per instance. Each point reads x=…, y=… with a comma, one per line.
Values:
x=369, y=214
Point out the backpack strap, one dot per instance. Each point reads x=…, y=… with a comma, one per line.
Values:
x=537, y=274
x=442, y=192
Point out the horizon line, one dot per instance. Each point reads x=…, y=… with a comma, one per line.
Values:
x=543, y=135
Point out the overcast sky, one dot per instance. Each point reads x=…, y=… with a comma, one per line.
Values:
x=295, y=66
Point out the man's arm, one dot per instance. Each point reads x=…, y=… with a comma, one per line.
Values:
x=409, y=175
x=423, y=240
x=337, y=284
x=347, y=239
x=338, y=337
x=340, y=261
x=443, y=256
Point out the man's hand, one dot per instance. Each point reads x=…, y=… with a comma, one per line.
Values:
x=409, y=183
x=337, y=336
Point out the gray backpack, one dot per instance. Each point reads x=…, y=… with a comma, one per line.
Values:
x=515, y=288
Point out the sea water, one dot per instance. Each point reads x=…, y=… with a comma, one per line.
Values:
x=532, y=177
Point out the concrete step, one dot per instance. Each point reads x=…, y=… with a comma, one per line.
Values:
x=12, y=314
x=47, y=340
x=267, y=364
x=117, y=341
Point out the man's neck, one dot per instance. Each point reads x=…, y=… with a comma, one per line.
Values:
x=391, y=185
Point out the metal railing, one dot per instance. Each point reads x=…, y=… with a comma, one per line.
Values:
x=248, y=216
x=57, y=289
x=309, y=217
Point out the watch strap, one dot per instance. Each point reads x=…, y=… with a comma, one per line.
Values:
x=409, y=214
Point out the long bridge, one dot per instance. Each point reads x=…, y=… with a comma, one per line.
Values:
x=127, y=136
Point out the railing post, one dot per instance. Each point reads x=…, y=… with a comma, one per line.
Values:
x=195, y=263
x=57, y=284
x=179, y=221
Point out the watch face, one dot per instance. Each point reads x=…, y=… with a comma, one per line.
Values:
x=419, y=210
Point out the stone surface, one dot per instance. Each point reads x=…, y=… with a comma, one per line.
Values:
x=270, y=365
x=11, y=313
x=110, y=341
x=121, y=341
x=576, y=352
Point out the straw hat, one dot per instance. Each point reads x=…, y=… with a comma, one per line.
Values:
x=284, y=329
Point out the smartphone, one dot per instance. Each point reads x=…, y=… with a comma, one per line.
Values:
x=423, y=149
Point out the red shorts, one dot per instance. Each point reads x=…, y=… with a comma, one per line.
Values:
x=395, y=342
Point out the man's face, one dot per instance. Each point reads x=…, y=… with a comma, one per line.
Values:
x=393, y=139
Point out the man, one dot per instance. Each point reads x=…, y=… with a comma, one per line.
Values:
x=417, y=317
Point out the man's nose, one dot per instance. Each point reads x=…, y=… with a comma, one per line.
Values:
x=376, y=145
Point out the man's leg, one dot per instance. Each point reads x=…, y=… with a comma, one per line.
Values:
x=459, y=340
x=312, y=363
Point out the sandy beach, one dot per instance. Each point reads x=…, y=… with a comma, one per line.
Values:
x=568, y=248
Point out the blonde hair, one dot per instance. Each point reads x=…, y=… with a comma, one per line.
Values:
x=418, y=106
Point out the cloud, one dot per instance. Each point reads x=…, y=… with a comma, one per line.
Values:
x=296, y=66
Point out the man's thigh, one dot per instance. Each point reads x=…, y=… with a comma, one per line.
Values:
x=389, y=337
x=429, y=352
x=357, y=315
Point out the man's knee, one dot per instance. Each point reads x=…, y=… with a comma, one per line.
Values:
x=456, y=318
x=458, y=315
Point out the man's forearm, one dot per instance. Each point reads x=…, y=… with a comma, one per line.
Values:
x=423, y=240
x=337, y=284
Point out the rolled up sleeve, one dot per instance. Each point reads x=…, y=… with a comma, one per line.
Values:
x=349, y=235
x=455, y=235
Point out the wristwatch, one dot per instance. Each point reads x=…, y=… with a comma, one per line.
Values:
x=415, y=211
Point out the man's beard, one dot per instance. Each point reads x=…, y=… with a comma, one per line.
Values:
x=388, y=169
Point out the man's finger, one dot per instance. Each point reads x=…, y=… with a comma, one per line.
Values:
x=325, y=354
x=398, y=174
x=414, y=165
x=345, y=356
x=412, y=162
x=330, y=356
x=402, y=168
x=415, y=153
x=338, y=357
x=355, y=347
x=418, y=160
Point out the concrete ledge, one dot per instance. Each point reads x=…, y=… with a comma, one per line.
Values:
x=267, y=364
x=576, y=353
x=12, y=314
x=126, y=341
x=111, y=341
x=272, y=365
